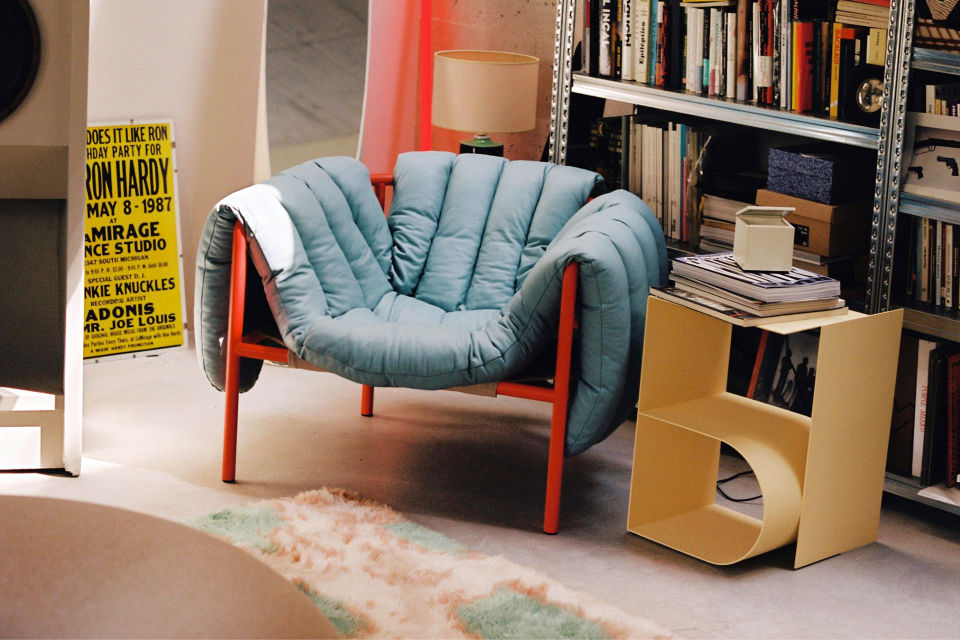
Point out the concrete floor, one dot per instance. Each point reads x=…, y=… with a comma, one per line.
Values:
x=472, y=468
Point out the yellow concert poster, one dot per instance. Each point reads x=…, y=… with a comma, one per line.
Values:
x=133, y=292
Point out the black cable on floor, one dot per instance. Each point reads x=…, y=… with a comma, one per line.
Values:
x=734, y=477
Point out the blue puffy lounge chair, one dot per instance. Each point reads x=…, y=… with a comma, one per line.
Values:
x=484, y=270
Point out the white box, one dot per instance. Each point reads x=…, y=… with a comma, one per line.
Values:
x=763, y=239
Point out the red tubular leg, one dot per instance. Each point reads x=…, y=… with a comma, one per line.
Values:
x=238, y=281
x=561, y=386
x=366, y=401
x=380, y=182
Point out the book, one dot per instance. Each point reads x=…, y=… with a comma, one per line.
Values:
x=616, y=39
x=660, y=59
x=591, y=37
x=867, y=8
x=803, y=33
x=862, y=19
x=730, y=61
x=900, y=448
x=627, y=55
x=924, y=349
x=757, y=307
x=605, y=38
x=811, y=9
x=841, y=52
x=765, y=368
x=743, y=50
x=754, y=358
x=763, y=74
x=729, y=313
x=656, y=8
x=641, y=17
x=795, y=376
x=953, y=419
x=781, y=53
x=877, y=46
x=721, y=270
x=692, y=72
x=931, y=469
x=674, y=50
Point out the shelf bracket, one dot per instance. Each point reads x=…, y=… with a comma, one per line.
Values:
x=890, y=154
x=562, y=80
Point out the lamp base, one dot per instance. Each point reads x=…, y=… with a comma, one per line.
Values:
x=483, y=145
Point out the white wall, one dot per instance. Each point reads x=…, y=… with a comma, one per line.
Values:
x=199, y=63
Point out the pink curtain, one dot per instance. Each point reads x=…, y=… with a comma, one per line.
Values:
x=393, y=91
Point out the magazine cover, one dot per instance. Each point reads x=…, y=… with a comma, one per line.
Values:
x=721, y=270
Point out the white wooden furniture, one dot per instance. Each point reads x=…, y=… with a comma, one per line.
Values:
x=42, y=197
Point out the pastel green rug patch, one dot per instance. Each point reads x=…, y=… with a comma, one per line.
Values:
x=245, y=526
x=508, y=614
x=347, y=624
x=426, y=538
x=375, y=574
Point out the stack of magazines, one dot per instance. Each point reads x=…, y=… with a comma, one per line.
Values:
x=715, y=284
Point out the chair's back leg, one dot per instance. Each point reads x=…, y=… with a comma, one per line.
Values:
x=561, y=387
x=366, y=400
x=238, y=282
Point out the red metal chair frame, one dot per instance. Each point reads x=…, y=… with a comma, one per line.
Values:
x=238, y=347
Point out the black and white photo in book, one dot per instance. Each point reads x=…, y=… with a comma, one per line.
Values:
x=796, y=373
x=933, y=169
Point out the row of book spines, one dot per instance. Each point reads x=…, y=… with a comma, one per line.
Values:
x=662, y=170
x=722, y=52
x=935, y=263
x=942, y=99
x=936, y=427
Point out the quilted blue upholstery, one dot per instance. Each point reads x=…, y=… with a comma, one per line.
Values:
x=459, y=285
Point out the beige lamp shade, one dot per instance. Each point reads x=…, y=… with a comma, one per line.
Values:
x=485, y=91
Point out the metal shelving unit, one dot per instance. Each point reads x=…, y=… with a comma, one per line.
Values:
x=749, y=115
x=934, y=60
x=910, y=489
x=887, y=140
x=926, y=319
x=924, y=207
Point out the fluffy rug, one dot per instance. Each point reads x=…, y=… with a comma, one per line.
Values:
x=376, y=574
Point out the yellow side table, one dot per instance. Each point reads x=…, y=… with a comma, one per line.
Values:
x=821, y=476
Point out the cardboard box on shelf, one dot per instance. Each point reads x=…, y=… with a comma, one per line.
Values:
x=828, y=230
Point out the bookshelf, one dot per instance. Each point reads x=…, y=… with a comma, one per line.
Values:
x=939, y=61
x=746, y=114
x=893, y=210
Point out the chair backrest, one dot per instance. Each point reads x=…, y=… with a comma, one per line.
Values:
x=462, y=232
x=466, y=229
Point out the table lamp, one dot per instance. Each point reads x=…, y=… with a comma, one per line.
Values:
x=485, y=92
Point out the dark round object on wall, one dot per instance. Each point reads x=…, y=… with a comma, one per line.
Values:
x=19, y=53
x=861, y=100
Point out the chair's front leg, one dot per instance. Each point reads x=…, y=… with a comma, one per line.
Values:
x=238, y=282
x=561, y=398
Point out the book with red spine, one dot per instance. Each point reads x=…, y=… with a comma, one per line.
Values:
x=803, y=34
x=953, y=419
